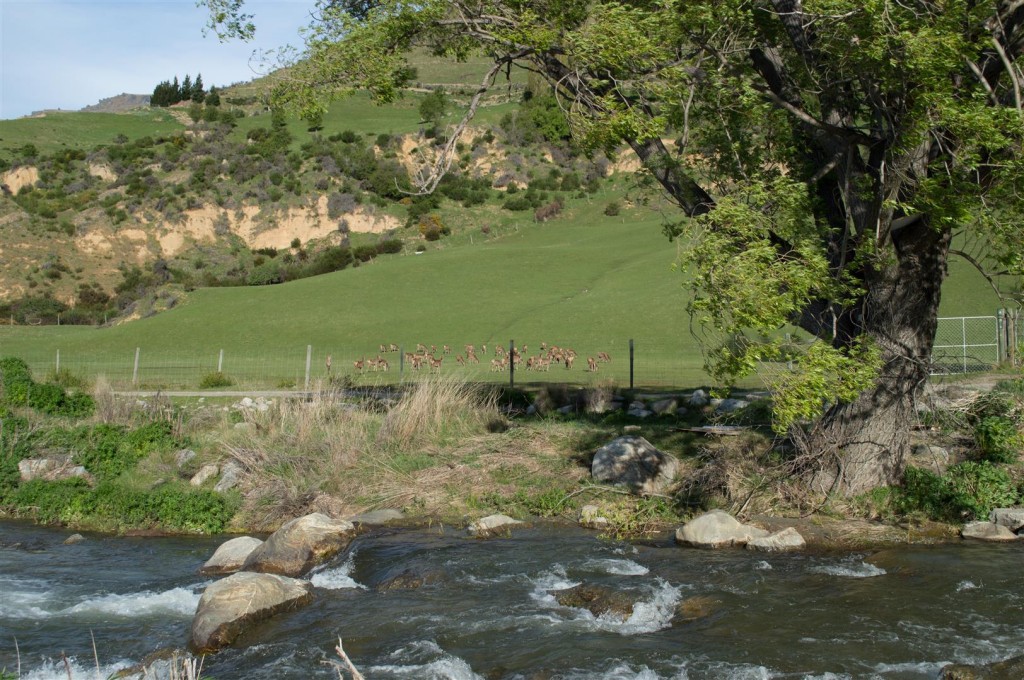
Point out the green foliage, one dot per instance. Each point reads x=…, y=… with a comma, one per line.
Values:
x=108, y=451
x=998, y=440
x=968, y=490
x=433, y=107
x=216, y=379
x=171, y=507
x=612, y=209
x=19, y=389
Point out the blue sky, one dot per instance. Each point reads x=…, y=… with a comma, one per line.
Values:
x=68, y=54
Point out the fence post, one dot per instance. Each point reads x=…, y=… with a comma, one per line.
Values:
x=401, y=364
x=1000, y=335
x=511, y=364
x=220, y=362
x=309, y=359
x=631, y=363
x=135, y=368
x=58, y=362
x=963, y=339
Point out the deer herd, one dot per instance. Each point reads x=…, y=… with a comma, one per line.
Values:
x=428, y=357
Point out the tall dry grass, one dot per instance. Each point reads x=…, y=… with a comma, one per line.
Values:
x=329, y=454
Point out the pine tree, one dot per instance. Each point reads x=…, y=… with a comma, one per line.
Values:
x=185, y=91
x=197, y=93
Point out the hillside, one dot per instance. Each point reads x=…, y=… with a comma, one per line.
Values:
x=109, y=218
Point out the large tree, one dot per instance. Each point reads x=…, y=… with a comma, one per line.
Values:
x=823, y=155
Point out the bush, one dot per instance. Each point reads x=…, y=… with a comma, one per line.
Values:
x=215, y=379
x=612, y=209
x=547, y=212
x=968, y=490
x=389, y=246
x=997, y=440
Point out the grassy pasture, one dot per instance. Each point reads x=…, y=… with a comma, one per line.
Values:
x=75, y=130
x=585, y=281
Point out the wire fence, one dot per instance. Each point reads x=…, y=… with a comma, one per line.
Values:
x=962, y=345
x=623, y=363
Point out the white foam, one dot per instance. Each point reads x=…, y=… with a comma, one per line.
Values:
x=425, y=659
x=862, y=570
x=85, y=668
x=965, y=585
x=925, y=669
x=177, y=601
x=617, y=567
x=649, y=615
x=337, y=578
x=622, y=671
x=763, y=566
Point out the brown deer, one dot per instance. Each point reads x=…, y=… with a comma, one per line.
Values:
x=499, y=364
x=382, y=363
x=569, y=358
x=603, y=356
x=472, y=358
x=328, y=364
x=358, y=365
x=483, y=349
x=382, y=349
x=459, y=360
x=447, y=349
x=392, y=347
x=435, y=363
x=591, y=364
x=470, y=349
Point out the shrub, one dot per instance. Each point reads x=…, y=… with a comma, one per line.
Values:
x=215, y=379
x=547, y=212
x=997, y=440
x=612, y=209
x=968, y=490
x=364, y=253
x=389, y=246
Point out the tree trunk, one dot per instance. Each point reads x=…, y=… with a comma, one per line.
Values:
x=863, y=444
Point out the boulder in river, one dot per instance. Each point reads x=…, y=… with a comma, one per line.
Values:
x=230, y=556
x=598, y=600
x=1010, y=669
x=300, y=545
x=787, y=540
x=487, y=526
x=230, y=605
x=987, y=531
x=717, y=529
x=634, y=462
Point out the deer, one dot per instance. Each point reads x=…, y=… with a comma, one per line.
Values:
x=603, y=356
x=358, y=365
x=328, y=364
x=470, y=349
x=435, y=362
x=591, y=364
x=459, y=360
x=392, y=347
x=499, y=364
x=471, y=357
x=569, y=358
x=382, y=363
x=447, y=350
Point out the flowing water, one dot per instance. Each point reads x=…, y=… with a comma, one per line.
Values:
x=487, y=609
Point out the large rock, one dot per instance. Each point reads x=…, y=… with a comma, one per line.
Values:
x=51, y=469
x=378, y=517
x=633, y=462
x=205, y=474
x=717, y=529
x=781, y=541
x=597, y=600
x=1011, y=518
x=300, y=545
x=230, y=475
x=987, y=531
x=1010, y=669
x=486, y=526
x=231, y=605
x=230, y=556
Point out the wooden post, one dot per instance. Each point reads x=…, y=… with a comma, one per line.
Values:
x=57, y=369
x=631, y=363
x=309, y=359
x=511, y=364
x=401, y=364
x=220, y=362
x=135, y=369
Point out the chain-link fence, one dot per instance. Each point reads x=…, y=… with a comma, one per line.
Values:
x=967, y=344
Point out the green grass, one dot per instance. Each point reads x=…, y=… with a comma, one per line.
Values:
x=585, y=281
x=74, y=130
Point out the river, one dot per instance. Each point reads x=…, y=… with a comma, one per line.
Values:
x=487, y=610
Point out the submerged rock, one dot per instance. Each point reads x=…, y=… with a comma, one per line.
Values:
x=230, y=556
x=695, y=608
x=301, y=544
x=635, y=463
x=408, y=580
x=232, y=604
x=1010, y=669
x=717, y=529
x=597, y=600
